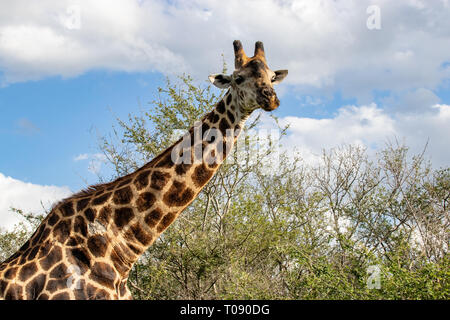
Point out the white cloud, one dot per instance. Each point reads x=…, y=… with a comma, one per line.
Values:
x=27, y=197
x=25, y=126
x=372, y=127
x=365, y=125
x=324, y=44
x=413, y=101
x=35, y=40
x=432, y=125
x=80, y=157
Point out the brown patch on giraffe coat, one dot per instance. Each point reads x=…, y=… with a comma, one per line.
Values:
x=44, y=249
x=80, y=257
x=62, y=230
x=223, y=126
x=159, y=180
x=90, y=214
x=205, y=127
x=145, y=201
x=80, y=294
x=101, y=294
x=56, y=284
x=33, y=253
x=105, y=215
x=27, y=271
x=213, y=117
x=124, y=182
x=82, y=204
x=225, y=149
x=43, y=296
x=103, y=274
x=201, y=175
x=122, y=216
x=15, y=292
x=90, y=291
x=123, y=195
x=10, y=273
x=45, y=234
x=152, y=218
x=178, y=194
x=51, y=258
x=182, y=168
x=220, y=107
x=37, y=235
x=53, y=218
x=97, y=245
x=59, y=272
x=23, y=257
x=61, y=296
x=229, y=98
x=101, y=199
x=3, y=286
x=166, y=221
x=141, y=180
x=166, y=160
x=80, y=226
x=75, y=241
x=25, y=246
x=67, y=209
x=140, y=234
x=230, y=116
x=35, y=286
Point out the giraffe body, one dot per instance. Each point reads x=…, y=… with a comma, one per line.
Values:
x=88, y=243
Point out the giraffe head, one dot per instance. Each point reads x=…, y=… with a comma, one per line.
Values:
x=252, y=79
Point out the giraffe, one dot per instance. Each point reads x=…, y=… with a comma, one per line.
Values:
x=86, y=246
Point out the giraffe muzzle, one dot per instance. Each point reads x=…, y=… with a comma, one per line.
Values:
x=267, y=99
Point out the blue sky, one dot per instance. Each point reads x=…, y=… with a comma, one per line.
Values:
x=69, y=68
x=46, y=124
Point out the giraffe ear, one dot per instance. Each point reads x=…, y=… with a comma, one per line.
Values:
x=221, y=81
x=279, y=76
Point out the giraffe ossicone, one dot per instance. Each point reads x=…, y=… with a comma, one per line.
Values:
x=88, y=243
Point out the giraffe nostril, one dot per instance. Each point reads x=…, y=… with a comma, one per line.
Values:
x=266, y=92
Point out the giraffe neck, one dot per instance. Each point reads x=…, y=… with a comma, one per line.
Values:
x=168, y=184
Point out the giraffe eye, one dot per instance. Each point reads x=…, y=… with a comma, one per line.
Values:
x=239, y=79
